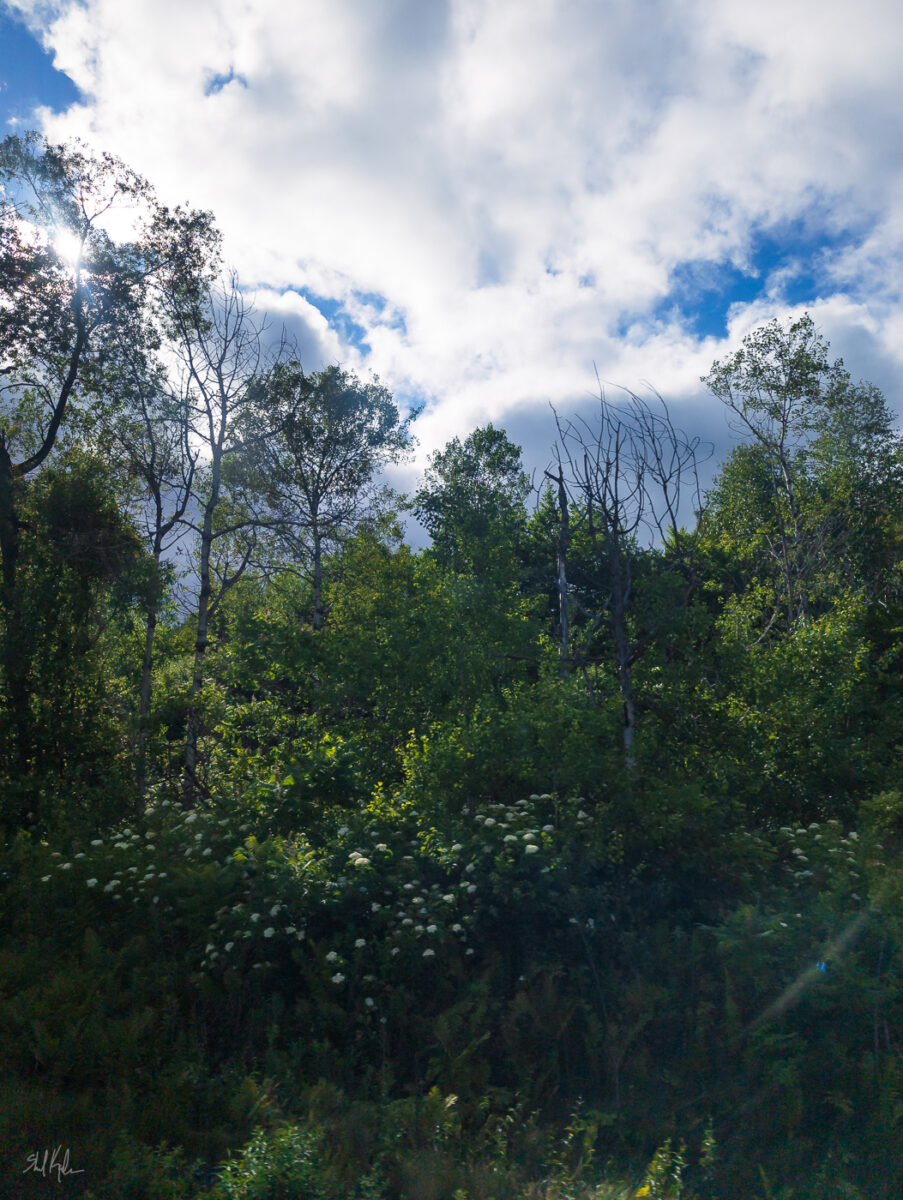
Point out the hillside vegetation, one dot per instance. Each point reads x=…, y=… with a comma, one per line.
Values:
x=561, y=859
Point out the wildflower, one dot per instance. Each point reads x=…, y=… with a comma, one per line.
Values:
x=109, y=887
x=449, y=898
x=429, y=954
x=206, y=852
x=91, y=882
x=470, y=868
x=274, y=911
x=269, y=931
x=291, y=929
x=394, y=950
x=375, y=906
x=228, y=945
x=190, y=818
x=382, y=846
x=531, y=849
x=509, y=837
x=254, y=917
x=406, y=921
x=548, y=828
x=456, y=847
x=338, y=977
x=44, y=878
x=361, y=862
x=65, y=866
x=529, y=837
x=470, y=951
x=208, y=947
x=97, y=842
x=343, y=830
x=489, y=822
x=369, y=1001
x=471, y=889
x=359, y=944
x=332, y=956
x=853, y=836
x=431, y=928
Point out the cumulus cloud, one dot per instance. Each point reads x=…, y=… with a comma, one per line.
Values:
x=495, y=196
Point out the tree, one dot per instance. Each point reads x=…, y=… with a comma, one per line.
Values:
x=332, y=434
x=82, y=570
x=220, y=345
x=819, y=466
x=149, y=435
x=66, y=289
x=628, y=479
x=472, y=500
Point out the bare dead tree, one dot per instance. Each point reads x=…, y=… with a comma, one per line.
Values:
x=561, y=582
x=627, y=478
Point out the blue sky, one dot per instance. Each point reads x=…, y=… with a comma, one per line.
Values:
x=28, y=78
x=484, y=201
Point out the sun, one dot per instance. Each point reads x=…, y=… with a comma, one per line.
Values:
x=68, y=246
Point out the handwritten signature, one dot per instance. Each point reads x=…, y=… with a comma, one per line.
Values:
x=50, y=1162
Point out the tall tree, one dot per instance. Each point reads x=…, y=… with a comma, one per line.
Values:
x=472, y=500
x=66, y=287
x=629, y=478
x=149, y=436
x=820, y=463
x=333, y=434
x=220, y=343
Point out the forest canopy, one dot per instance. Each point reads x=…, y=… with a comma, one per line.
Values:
x=562, y=854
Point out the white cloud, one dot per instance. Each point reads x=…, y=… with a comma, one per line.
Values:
x=518, y=182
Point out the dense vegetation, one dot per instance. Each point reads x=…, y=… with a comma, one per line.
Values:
x=561, y=858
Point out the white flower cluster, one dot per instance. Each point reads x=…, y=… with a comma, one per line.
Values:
x=821, y=852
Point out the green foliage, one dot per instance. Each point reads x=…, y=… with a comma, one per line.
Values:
x=83, y=569
x=283, y=1165
x=472, y=501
